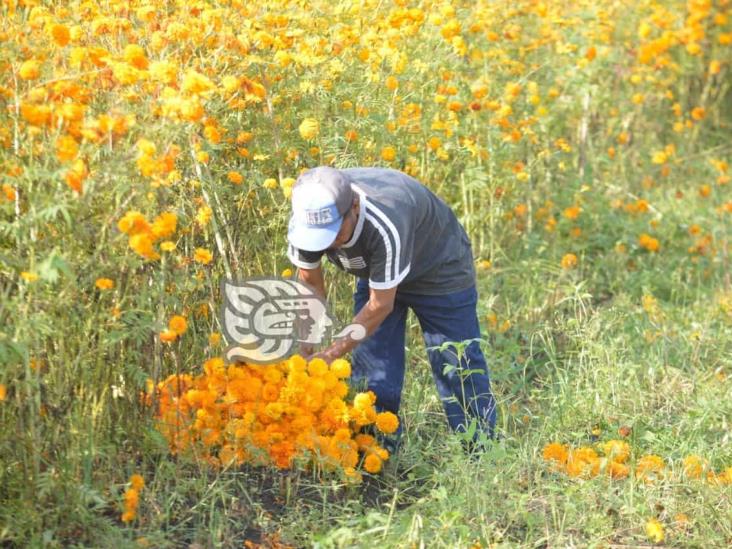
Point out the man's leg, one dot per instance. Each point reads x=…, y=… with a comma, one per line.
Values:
x=464, y=386
x=378, y=361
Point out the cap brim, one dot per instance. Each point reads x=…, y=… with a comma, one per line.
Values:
x=313, y=239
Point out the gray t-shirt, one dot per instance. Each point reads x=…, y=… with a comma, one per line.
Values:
x=405, y=235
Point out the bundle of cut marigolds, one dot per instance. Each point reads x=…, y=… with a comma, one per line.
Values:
x=280, y=413
x=584, y=462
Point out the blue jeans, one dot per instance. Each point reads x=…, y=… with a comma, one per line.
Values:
x=465, y=387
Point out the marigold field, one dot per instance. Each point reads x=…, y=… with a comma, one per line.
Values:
x=148, y=150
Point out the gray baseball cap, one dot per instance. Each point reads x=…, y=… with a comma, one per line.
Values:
x=320, y=198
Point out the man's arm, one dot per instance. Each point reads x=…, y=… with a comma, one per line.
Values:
x=377, y=308
x=314, y=278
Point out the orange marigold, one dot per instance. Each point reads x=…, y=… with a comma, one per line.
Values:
x=387, y=422
x=372, y=463
x=178, y=324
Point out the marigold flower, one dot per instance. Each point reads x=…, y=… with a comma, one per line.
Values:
x=135, y=56
x=387, y=422
x=309, y=129
x=66, y=148
x=388, y=153
x=362, y=401
x=649, y=467
x=555, y=452
x=372, y=464
x=569, y=261
x=104, y=283
x=30, y=70
x=235, y=178
x=203, y=256
x=178, y=324
x=572, y=212
x=618, y=470
x=164, y=225
x=28, y=276
x=138, y=483
x=616, y=450
x=694, y=466
x=142, y=244
x=648, y=242
x=583, y=462
x=168, y=336
x=654, y=530
x=60, y=34
x=194, y=83
x=341, y=368
x=3, y=392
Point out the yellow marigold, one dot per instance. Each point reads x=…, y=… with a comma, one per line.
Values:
x=616, y=450
x=583, y=462
x=195, y=83
x=654, y=531
x=214, y=339
x=286, y=273
x=203, y=215
x=30, y=70
x=28, y=276
x=388, y=153
x=387, y=422
x=649, y=467
x=104, y=283
x=725, y=477
x=203, y=256
x=693, y=466
x=372, y=464
x=555, y=452
x=178, y=324
x=309, y=129
x=66, y=148
x=698, y=113
x=142, y=244
x=617, y=470
x=164, y=225
x=351, y=136
x=167, y=246
x=317, y=367
x=3, y=392
x=341, y=368
x=363, y=401
x=135, y=56
x=569, y=261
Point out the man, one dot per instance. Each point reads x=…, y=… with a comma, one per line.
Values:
x=408, y=250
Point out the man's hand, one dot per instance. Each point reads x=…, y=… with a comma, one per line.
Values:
x=306, y=349
x=371, y=315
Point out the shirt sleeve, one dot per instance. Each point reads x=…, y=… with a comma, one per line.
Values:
x=302, y=258
x=391, y=255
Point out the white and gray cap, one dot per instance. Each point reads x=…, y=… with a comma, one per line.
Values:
x=320, y=198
